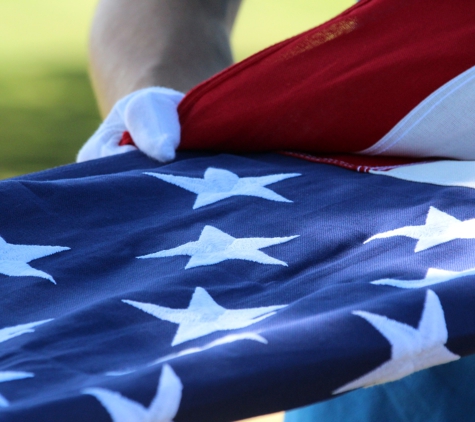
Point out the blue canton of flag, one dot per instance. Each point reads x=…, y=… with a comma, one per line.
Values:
x=220, y=287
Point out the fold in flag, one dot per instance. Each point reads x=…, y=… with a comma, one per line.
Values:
x=135, y=291
x=393, y=78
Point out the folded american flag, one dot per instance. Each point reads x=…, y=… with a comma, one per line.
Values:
x=220, y=287
x=382, y=78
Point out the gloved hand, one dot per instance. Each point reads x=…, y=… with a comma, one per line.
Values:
x=149, y=115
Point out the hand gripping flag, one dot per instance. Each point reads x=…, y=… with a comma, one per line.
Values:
x=220, y=287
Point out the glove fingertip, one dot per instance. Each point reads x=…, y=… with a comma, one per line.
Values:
x=167, y=156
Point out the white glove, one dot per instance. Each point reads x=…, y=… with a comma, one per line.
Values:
x=149, y=115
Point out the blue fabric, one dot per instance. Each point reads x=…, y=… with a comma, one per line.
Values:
x=118, y=271
x=440, y=394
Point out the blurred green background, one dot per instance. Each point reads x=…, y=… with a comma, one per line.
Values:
x=47, y=108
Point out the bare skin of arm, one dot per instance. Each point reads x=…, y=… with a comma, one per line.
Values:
x=171, y=43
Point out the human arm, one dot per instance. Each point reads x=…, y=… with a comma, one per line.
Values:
x=170, y=43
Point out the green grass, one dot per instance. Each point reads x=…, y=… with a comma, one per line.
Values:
x=47, y=109
x=45, y=116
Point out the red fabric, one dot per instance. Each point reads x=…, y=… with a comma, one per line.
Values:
x=337, y=88
x=126, y=140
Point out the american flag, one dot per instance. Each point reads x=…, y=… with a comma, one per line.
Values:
x=220, y=287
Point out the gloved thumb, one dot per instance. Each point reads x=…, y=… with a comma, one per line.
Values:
x=153, y=122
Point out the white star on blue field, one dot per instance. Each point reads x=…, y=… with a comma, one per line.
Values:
x=412, y=349
x=163, y=408
x=439, y=228
x=7, y=334
x=219, y=184
x=433, y=276
x=14, y=259
x=215, y=246
x=204, y=316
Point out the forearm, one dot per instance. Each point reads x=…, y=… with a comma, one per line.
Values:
x=171, y=43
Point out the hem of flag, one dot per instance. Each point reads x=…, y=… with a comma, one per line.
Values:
x=362, y=164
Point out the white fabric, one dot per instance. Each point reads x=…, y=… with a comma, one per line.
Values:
x=441, y=173
x=215, y=246
x=219, y=184
x=433, y=276
x=194, y=350
x=18, y=330
x=412, y=349
x=149, y=115
x=14, y=259
x=443, y=125
x=439, y=228
x=163, y=408
x=7, y=334
x=204, y=316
